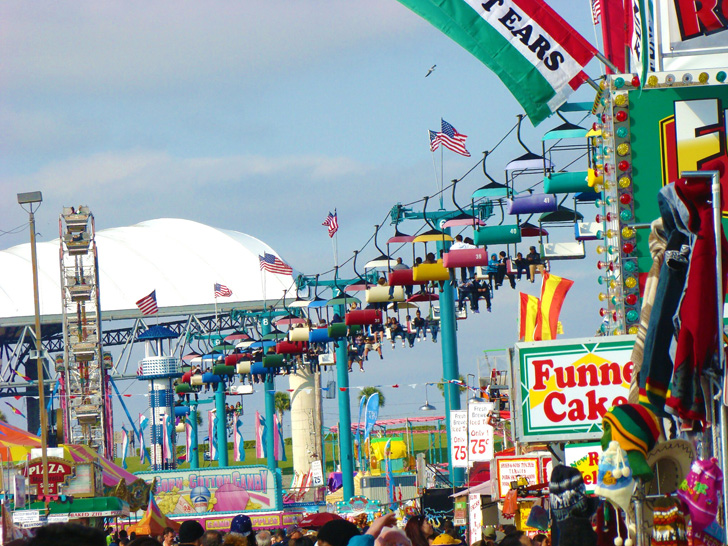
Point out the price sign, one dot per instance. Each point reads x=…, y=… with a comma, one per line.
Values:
x=459, y=442
x=480, y=436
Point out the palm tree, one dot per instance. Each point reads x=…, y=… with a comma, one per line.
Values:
x=282, y=403
x=461, y=389
x=368, y=391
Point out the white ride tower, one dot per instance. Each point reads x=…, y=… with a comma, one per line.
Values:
x=87, y=416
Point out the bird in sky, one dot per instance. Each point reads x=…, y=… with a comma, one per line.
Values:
x=431, y=70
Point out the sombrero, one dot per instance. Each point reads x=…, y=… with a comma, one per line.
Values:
x=670, y=462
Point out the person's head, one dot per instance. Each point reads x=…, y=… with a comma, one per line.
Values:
x=418, y=530
x=337, y=533
x=399, y=260
x=417, y=313
x=502, y=254
x=509, y=529
x=212, y=538
x=190, y=532
x=459, y=238
x=241, y=524
x=168, y=535
x=263, y=538
x=493, y=257
x=132, y=535
x=538, y=539
x=391, y=536
x=123, y=534
x=519, y=255
x=532, y=248
x=517, y=538
x=279, y=535
x=468, y=240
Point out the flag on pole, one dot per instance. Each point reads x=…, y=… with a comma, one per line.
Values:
x=372, y=414
x=596, y=10
x=452, y=140
x=434, y=141
x=148, y=304
x=332, y=222
x=188, y=439
x=222, y=291
x=212, y=433
x=273, y=264
x=280, y=451
x=25, y=377
x=260, y=447
x=124, y=446
x=238, y=443
x=527, y=314
x=553, y=293
x=143, y=424
x=535, y=53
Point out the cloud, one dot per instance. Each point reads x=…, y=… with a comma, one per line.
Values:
x=167, y=44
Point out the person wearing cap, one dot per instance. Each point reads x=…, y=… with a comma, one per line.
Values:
x=445, y=539
x=242, y=525
x=190, y=533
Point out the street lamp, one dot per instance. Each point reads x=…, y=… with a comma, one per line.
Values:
x=30, y=199
x=427, y=406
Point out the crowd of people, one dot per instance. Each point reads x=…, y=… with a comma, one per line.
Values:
x=383, y=531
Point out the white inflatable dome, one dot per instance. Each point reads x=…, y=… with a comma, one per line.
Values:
x=180, y=259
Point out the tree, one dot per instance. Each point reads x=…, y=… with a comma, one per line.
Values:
x=461, y=389
x=368, y=391
x=282, y=403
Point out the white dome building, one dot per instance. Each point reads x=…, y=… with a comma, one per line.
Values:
x=180, y=259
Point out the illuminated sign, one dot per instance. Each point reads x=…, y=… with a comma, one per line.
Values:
x=59, y=471
x=564, y=387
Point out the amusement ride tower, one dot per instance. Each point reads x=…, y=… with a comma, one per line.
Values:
x=86, y=407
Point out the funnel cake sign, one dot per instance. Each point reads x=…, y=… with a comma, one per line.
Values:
x=564, y=387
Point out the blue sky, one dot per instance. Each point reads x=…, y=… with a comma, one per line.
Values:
x=261, y=117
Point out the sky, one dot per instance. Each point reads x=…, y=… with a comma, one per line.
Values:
x=262, y=117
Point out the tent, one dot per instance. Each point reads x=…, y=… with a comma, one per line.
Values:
x=16, y=444
x=153, y=522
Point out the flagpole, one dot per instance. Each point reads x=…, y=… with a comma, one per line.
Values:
x=442, y=167
x=216, y=322
x=336, y=243
x=434, y=165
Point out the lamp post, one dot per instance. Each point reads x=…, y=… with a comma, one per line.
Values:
x=31, y=198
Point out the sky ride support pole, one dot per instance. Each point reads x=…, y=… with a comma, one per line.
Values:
x=449, y=340
x=345, y=440
x=221, y=430
x=270, y=429
x=194, y=457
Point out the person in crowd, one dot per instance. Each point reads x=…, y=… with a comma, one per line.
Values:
x=212, y=538
x=430, y=258
x=407, y=289
x=539, y=540
x=354, y=357
x=279, y=535
x=410, y=332
x=492, y=270
x=434, y=325
x=336, y=533
x=521, y=266
x=420, y=531
x=372, y=345
x=190, y=532
x=502, y=271
x=374, y=531
x=516, y=538
x=534, y=262
x=419, y=325
x=395, y=329
x=168, y=536
x=263, y=538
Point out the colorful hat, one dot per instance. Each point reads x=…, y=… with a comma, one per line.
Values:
x=701, y=491
x=669, y=527
x=614, y=477
x=567, y=493
x=671, y=462
x=637, y=429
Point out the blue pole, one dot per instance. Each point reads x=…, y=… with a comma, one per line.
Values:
x=450, y=371
x=123, y=405
x=270, y=431
x=195, y=458
x=221, y=430
x=345, y=440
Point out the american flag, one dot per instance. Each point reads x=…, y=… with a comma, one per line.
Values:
x=148, y=304
x=452, y=140
x=222, y=291
x=332, y=222
x=269, y=262
x=434, y=141
x=596, y=9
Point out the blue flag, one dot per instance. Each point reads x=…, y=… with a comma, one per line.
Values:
x=372, y=413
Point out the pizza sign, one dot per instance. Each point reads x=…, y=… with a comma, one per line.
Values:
x=59, y=471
